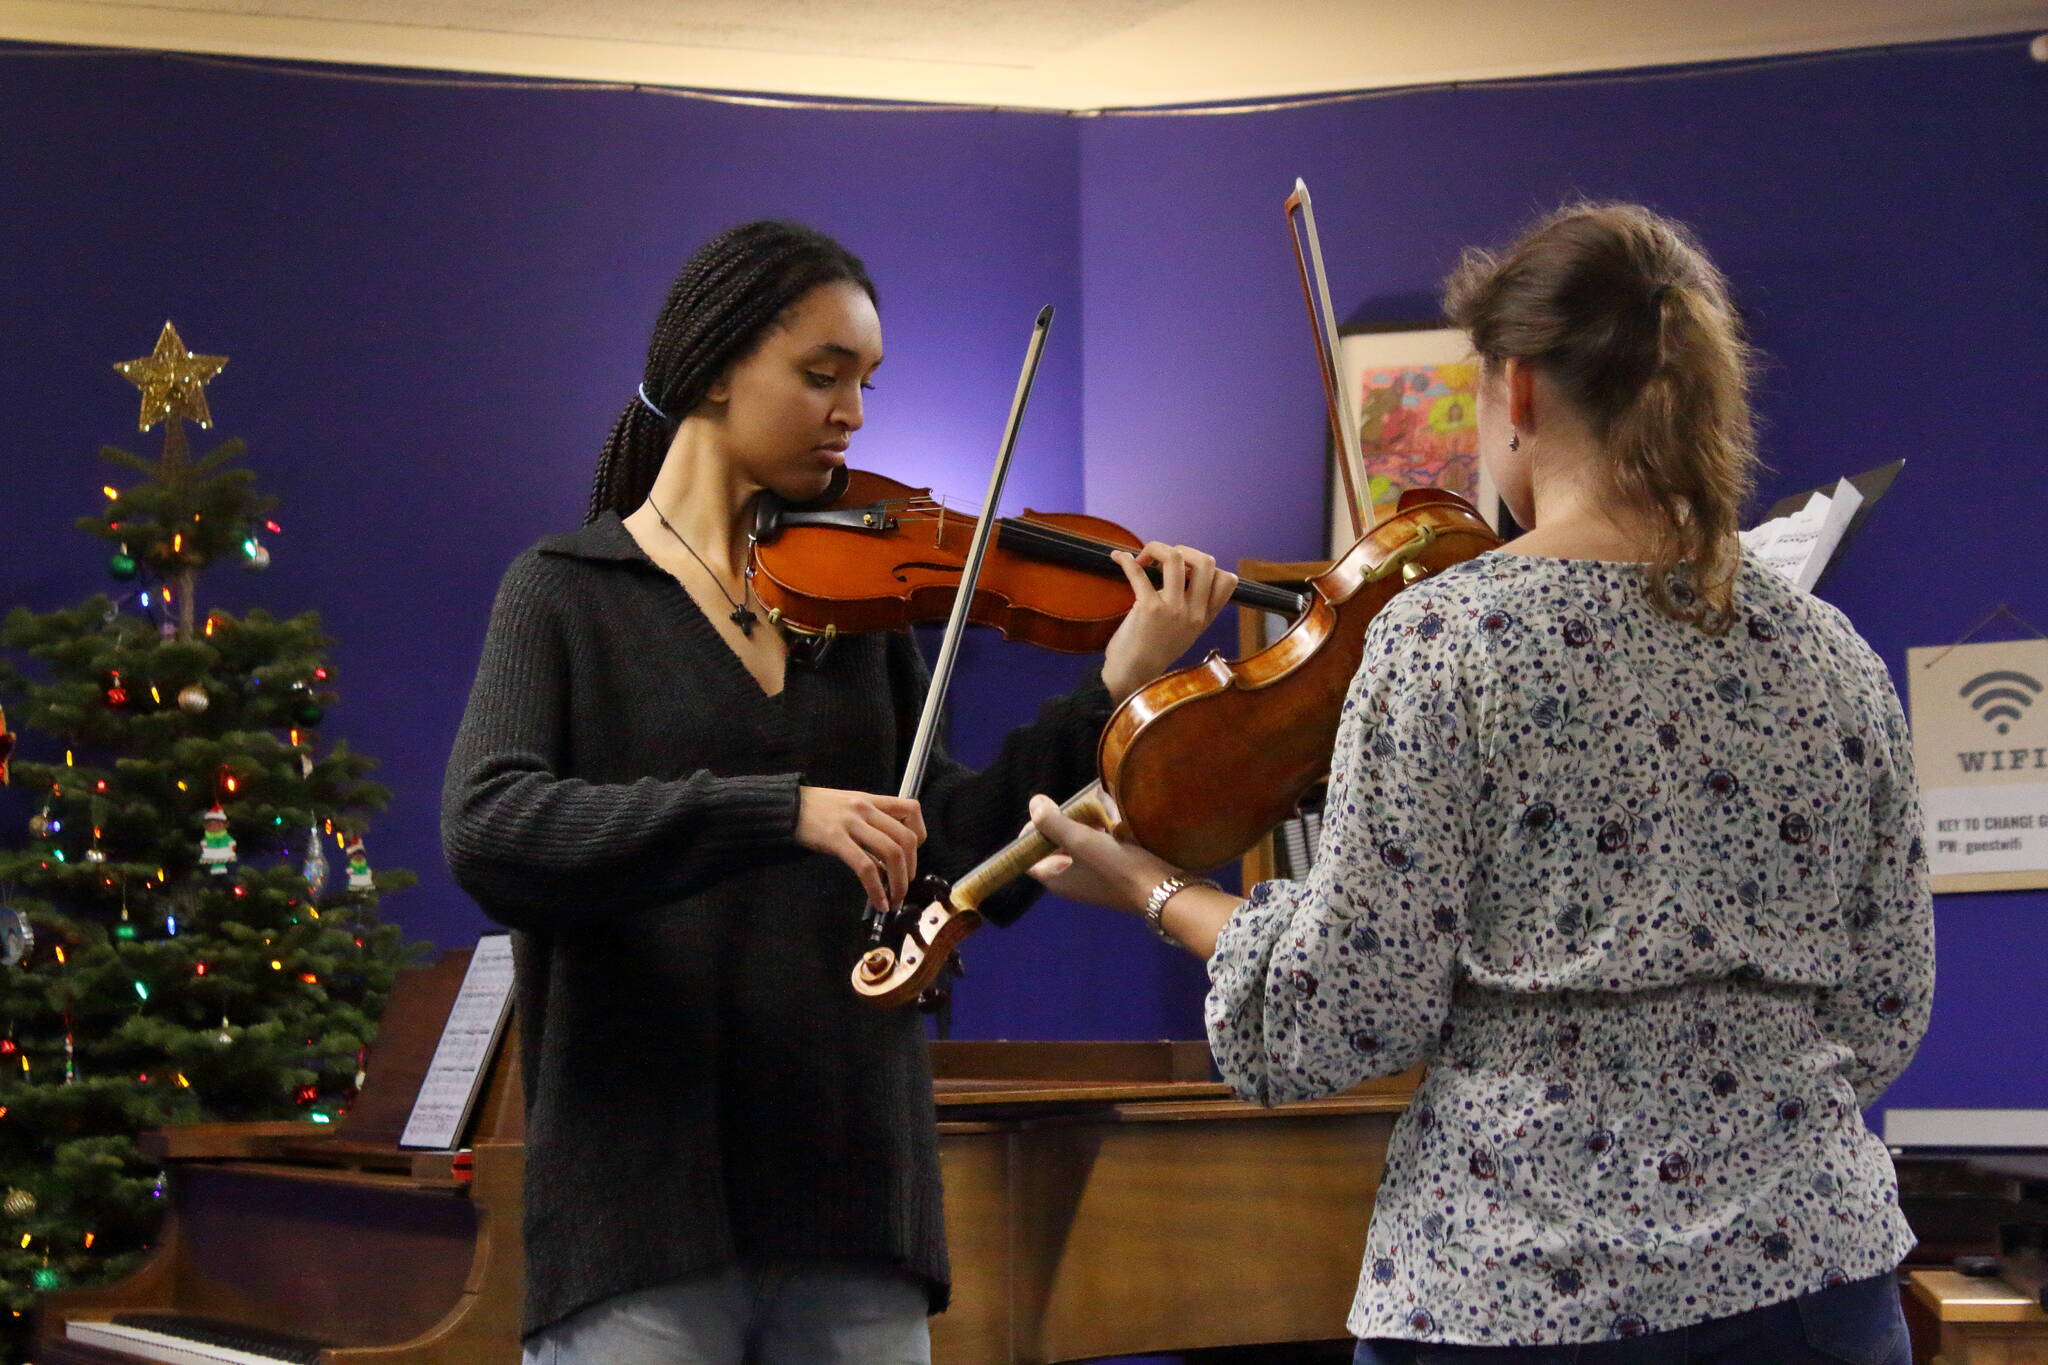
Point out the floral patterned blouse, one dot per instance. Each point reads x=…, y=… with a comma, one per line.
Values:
x=1653, y=906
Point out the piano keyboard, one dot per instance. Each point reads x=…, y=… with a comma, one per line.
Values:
x=172, y=1339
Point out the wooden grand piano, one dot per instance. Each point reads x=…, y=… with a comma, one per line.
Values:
x=1101, y=1199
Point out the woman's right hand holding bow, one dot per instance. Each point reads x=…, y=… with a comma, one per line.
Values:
x=876, y=836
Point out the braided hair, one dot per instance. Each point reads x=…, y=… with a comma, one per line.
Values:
x=730, y=293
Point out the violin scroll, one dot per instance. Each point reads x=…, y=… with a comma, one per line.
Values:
x=889, y=976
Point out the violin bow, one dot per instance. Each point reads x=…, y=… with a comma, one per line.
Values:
x=970, y=576
x=1315, y=292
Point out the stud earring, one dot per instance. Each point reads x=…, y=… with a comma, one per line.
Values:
x=1514, y=439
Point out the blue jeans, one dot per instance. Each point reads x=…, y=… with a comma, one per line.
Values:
x=1852, y=1324
x=753, y=1313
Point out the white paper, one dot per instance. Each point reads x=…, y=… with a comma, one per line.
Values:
x=1966, y=1128
x=1799, y=546
x=1986, y=829
x=467, y=1041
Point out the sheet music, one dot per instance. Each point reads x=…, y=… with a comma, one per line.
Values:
x=464, y=1052
x=1800, y=545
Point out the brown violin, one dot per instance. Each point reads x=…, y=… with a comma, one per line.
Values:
x=1198, y=764
x=875, y=554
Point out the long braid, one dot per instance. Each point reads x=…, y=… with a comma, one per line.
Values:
x=728, y=295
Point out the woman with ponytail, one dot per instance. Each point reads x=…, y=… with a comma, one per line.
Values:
x=728, y=1157
x=1623, y=842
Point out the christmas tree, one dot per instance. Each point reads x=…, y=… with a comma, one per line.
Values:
x=175, y=949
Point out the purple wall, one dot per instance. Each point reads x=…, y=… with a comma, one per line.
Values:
x=436, y=300
x=1884, y=218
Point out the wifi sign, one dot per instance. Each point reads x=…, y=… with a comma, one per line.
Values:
x=2002, y=696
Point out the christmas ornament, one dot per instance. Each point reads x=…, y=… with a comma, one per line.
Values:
x=359, y=878
x=6, y=746
x=39, y=824
x=226, y=1035
x=117, y=695
x=192, y=699
x=173, y=381
x=309, y=712
x=17, y=936
x=20, y=1204
x=216, y=846
x=255, y=557
x=315, y=867
x=48, y=1278
x=122, y=566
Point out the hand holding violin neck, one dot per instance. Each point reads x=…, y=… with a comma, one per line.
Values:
x=897, y=973
x=1090, y=805
x=1026, y=535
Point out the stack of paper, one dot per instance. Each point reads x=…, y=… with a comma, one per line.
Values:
x=1800, y=545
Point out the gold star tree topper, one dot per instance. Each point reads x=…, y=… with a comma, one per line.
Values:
x=173, y=381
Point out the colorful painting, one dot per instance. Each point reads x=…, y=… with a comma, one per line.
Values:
x=1413, y=392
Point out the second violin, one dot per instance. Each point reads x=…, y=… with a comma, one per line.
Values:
x=1196, y=765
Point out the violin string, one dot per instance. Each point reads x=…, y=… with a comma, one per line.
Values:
x=924, y=510
x=1021, y=532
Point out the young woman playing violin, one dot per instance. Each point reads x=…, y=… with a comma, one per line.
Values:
x=1622, y=839
x=728, y=1156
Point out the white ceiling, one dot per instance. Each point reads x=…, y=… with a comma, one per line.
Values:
x=1052, y=54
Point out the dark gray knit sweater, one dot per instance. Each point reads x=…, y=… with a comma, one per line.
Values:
x=701, y=1083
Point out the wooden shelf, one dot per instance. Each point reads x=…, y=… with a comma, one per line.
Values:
x=1981, y=1321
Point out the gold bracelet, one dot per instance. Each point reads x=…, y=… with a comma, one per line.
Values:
x=1155, y=903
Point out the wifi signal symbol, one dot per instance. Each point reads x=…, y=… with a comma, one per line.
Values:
x=2001, y=697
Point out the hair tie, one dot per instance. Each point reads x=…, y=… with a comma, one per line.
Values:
x=650, y=405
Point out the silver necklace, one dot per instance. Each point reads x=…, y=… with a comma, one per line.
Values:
x=742, y=615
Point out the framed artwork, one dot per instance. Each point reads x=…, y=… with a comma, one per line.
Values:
x=1414, y=391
